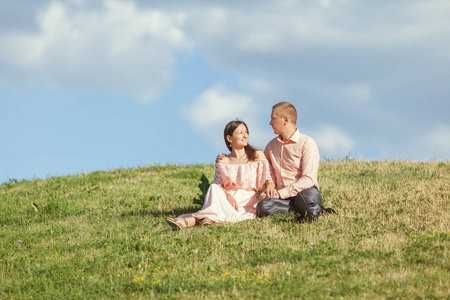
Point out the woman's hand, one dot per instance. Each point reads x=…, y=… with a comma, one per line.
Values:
x=262, y=195
x=230, y=199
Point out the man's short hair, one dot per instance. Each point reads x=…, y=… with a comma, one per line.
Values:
x=286, y=109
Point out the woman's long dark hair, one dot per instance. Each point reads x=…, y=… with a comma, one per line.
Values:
x=229, y=129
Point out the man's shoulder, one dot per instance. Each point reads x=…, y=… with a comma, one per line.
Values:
x=307, y=143
x=272, y=143
x=305, y=138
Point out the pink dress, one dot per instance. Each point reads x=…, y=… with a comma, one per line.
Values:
x=242, y=181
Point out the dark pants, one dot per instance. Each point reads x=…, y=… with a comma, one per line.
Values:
x=272, y=206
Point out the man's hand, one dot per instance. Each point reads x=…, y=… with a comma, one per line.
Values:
x=220, y=157
x=272, y=193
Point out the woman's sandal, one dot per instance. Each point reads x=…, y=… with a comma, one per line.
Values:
x=207, y=222
x=176, y=224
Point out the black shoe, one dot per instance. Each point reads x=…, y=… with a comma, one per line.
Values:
x=302, y=209
x=329, y=210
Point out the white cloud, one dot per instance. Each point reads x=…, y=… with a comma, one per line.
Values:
x=432, y=143
x=440, y=138
x=215, y=107
x=332, y=142
x=436, y=143
x=116, y=49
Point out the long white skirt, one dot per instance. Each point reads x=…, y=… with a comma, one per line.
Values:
x=217, y=208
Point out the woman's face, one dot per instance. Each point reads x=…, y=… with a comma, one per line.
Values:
x=239, y=138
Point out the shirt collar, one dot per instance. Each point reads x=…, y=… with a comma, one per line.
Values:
x=294, y=138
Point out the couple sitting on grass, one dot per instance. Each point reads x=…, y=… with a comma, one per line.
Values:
x=290, y=160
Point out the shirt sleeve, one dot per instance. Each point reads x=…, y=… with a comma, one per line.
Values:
x=272, y=171
x=309, y=167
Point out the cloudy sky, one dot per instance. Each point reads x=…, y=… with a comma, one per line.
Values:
x=96, y=85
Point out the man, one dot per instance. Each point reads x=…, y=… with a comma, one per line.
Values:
x=294, y=158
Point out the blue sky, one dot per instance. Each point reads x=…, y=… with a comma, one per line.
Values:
x=97, y=85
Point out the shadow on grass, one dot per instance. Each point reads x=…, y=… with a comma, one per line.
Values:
x=158, y=214
x=282, y=219
x=276, y=219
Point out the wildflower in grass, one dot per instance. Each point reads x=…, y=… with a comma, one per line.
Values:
x=38, y=265
x=19, y=241
x=118, y=275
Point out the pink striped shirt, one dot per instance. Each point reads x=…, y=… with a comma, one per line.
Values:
x=295, y=163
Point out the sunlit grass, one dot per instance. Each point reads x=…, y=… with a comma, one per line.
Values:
x=103, y=235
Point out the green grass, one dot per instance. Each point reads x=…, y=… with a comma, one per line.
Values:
x=103, y=235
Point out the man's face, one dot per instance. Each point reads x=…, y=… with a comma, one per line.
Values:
x=276, y=122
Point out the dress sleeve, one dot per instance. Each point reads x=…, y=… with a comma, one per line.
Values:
x=264, y=174
x=218, y=175
x=221, y=176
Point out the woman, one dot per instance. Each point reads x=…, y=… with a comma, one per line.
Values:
x=232, y=196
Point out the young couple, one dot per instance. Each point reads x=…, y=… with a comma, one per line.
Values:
x=285, y=175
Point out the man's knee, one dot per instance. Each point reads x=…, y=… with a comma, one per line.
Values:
x=263, y=207
x=313, y=199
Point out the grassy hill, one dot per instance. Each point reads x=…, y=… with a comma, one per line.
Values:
x=103, y=235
